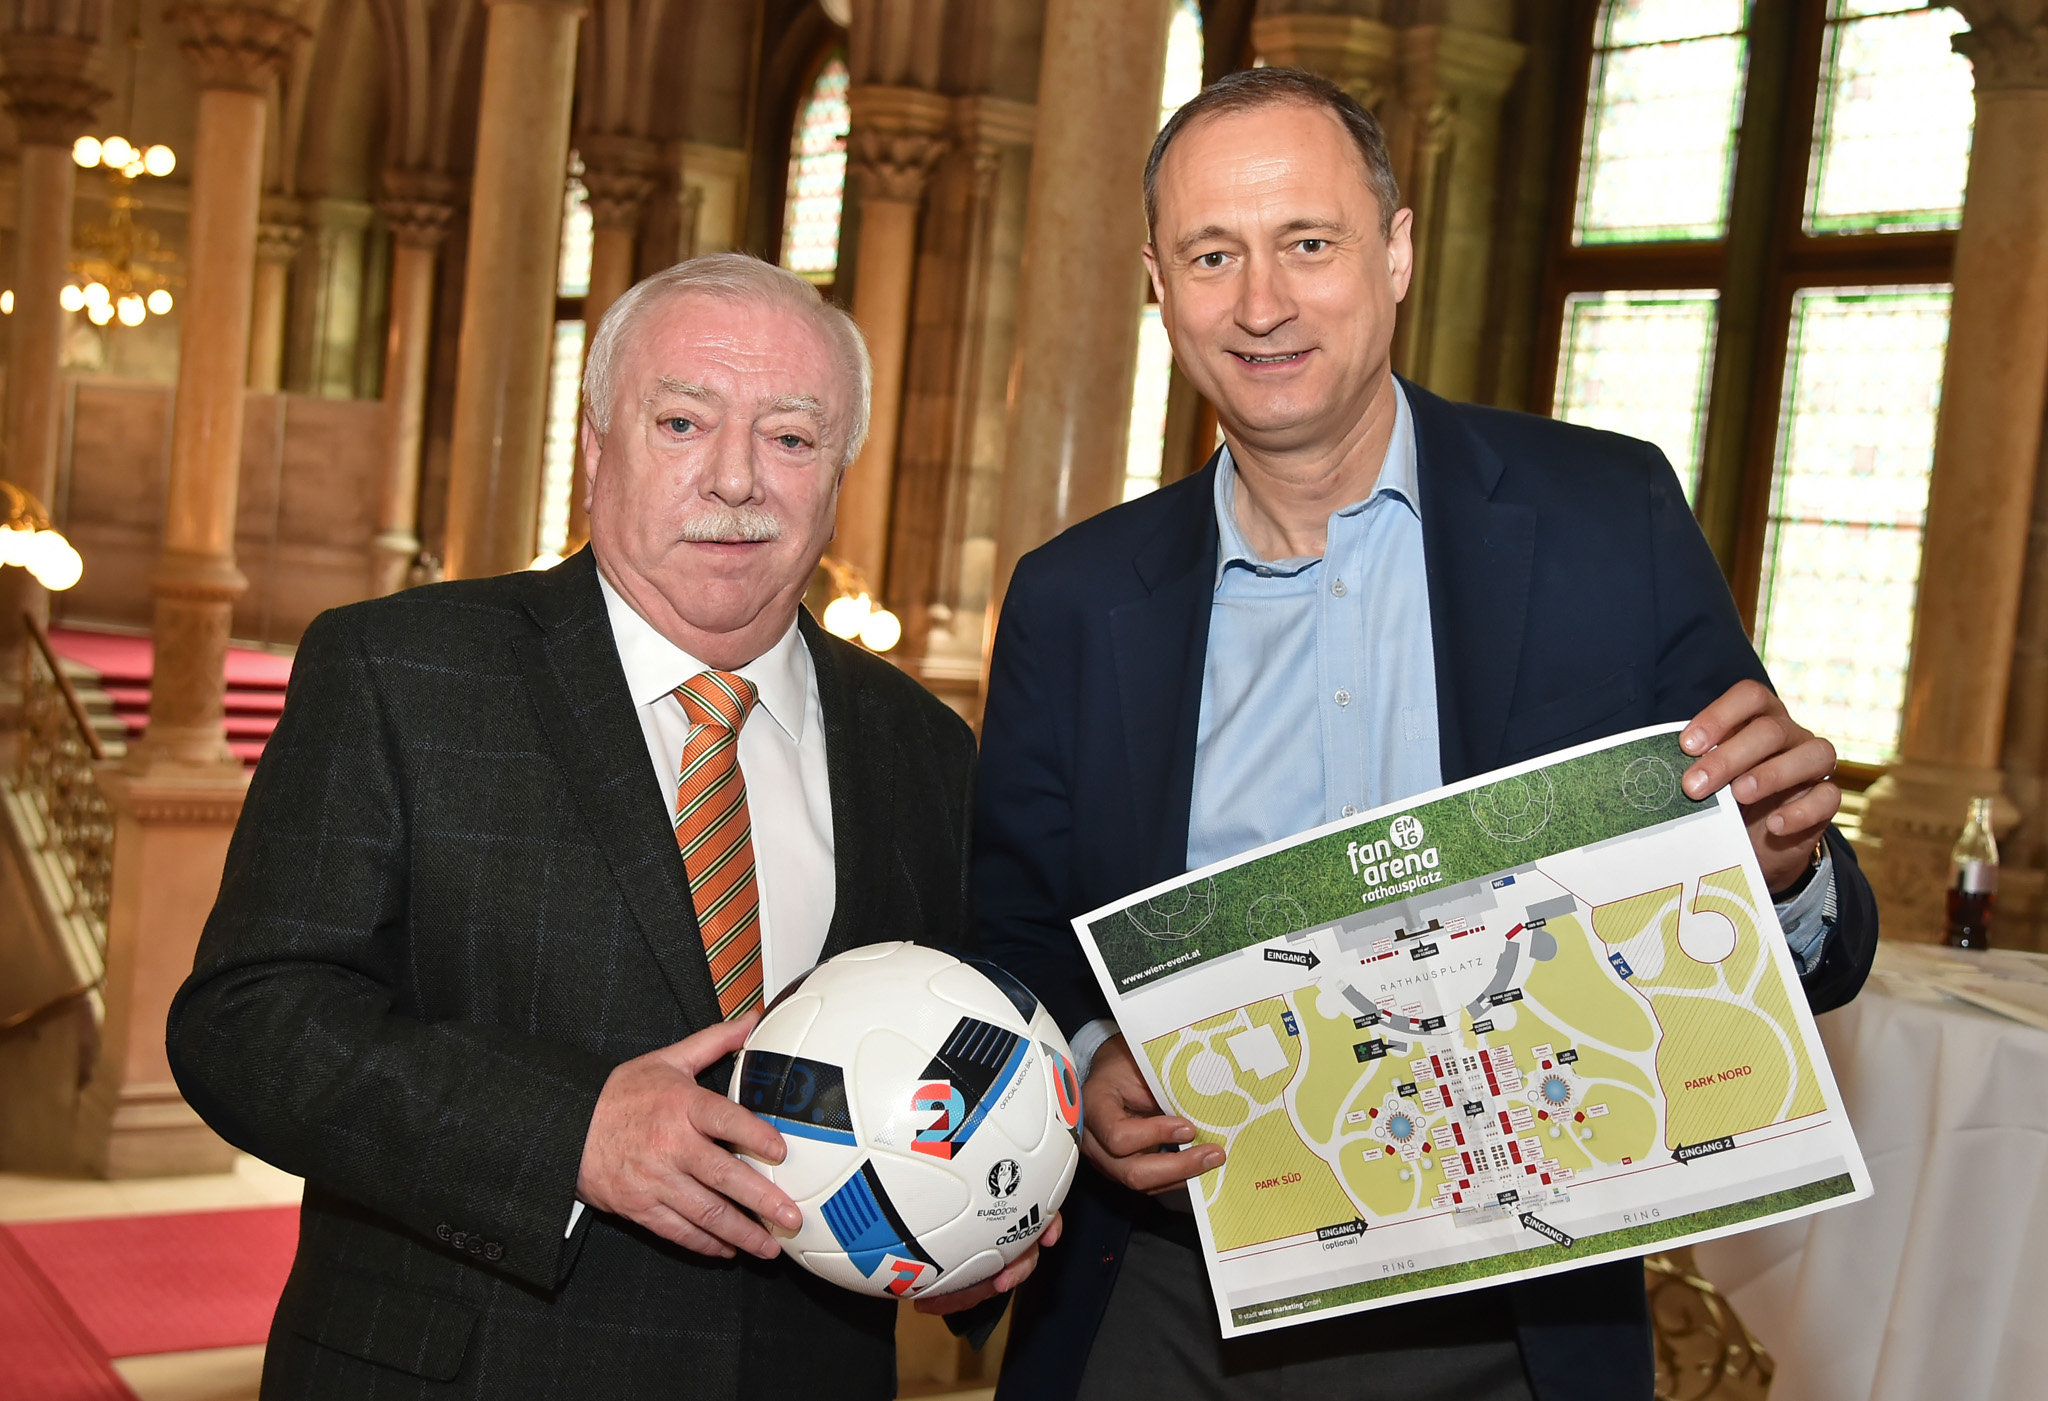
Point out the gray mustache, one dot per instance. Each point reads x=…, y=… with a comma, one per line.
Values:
x=731, y=525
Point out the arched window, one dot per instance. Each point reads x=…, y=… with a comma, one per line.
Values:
x=565, y=369
x=1813, y=484
x=1154, y=383
x=817, y=177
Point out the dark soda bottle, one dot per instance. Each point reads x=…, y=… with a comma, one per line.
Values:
x=1973, y=881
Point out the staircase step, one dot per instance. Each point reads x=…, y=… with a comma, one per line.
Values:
x=111, y=673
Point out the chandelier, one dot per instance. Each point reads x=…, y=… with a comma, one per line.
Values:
x=124, y=272
x=27, y=541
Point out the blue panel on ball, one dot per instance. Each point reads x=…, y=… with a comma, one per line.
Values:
x=798, y=1095
x=865, y=1223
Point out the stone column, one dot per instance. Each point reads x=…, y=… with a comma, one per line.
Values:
x=418, y=206
x=277, y=244
x=1986, y=452
x=508, y=297
x=235, y=50
x=1082, y=287
x=897, y=135
x=619, y=173
x=1355, y=52
x=51, y=96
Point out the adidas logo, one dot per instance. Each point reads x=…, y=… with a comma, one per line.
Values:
x=1025, y=1227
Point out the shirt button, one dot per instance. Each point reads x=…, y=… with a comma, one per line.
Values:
x=1337, y=588
x=1343, y=697
x=1350, y=810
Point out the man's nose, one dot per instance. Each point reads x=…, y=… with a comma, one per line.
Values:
x=733, y=477
x=1264, y=303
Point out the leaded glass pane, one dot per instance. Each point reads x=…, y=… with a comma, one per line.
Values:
x=1659, y=145
x=1147, y=446
x=572, y=275
x=1849, y=499
x=1183, y=59
x=1637, y=363
x=1891, y=143
x=558, y=447
x=817, y=177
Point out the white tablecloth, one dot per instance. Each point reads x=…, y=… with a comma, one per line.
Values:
x=1936, y=1288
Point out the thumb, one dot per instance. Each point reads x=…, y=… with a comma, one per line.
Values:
x=696, y=1051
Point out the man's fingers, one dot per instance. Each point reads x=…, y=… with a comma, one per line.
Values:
x=1125, y=1134
x=707, y=1047
x=1008, y=1278
x=726, y=1175
x=1740, y=752
x=1725, y=714
x=1150, y=1172
x=1785, y=777
x=717, y=1216
x=663, y=1221
x=718, y=1118
x=1802, y=817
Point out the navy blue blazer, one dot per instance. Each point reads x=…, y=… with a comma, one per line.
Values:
x=1571, y=596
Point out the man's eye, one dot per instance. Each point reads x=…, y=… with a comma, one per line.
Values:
x=1210, y=260
x=1313, y=245
x=792, y=441
x=678, y=424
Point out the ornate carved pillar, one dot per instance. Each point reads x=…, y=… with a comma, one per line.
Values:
x=418, y=206
x=51, y=96
x=1986, y=452
x=508, y=298
x=619, y=172
x=897, y=135
x=277, y=244
x=1083, y=285
x=1353, y=51
x=1444, y=131
x=235, y=49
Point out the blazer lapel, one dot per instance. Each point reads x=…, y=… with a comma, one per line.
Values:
x=1160, y=642
x=578, y=689
x=1478, y=553
x=858, y=785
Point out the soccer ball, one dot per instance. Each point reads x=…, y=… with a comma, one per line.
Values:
x=931, y=1113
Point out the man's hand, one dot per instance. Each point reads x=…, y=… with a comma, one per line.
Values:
x=652, y=1154
x=1008, y=1278
x=1779, y=772
x=1123, y=1129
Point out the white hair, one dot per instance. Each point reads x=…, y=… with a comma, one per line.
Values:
x=733, y=277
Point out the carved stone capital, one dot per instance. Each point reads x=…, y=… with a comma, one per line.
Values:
x=2006, y=43
x=897, y=136
x=418, y=205
x=49, y=85
x=1355, y=53
x=619, y=172
x=238, y=46
x=278, y=243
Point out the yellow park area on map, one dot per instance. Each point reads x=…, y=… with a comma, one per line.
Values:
x=1599, y=1067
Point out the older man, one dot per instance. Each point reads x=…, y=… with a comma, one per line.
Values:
x=517, y=870
x=1367, y=593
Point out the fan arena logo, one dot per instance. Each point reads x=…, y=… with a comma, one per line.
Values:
x=1394, y=858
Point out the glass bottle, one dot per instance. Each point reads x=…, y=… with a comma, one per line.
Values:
x=1973, y=881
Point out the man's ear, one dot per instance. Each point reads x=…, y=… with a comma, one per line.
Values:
x=1151, y=256
x=591, y=447
x=1401, y=252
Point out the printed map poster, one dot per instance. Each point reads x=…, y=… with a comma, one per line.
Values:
x=1505, y=1029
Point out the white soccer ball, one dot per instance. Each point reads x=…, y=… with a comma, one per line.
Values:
x=932, y=1116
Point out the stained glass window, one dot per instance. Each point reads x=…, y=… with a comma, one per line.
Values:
x=1891, y=142
x=572, y=278
x=1665, y=97
x=817, y=177
x=1638, y=363
x=1146, y=450
x=1842, y=554
x=558, y=446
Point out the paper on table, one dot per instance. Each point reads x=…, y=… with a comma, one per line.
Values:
x=1501, y=1030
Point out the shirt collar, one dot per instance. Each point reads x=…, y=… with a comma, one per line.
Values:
x=1397, y=480
x=655, y=666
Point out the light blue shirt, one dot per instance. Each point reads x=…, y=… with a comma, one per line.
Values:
x=1319, y=688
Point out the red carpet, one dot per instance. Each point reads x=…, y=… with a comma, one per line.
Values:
x=144, y=1284
x=46, y=1354
x=125, y=663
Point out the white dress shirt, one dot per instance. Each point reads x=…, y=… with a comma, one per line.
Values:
x=782, y=759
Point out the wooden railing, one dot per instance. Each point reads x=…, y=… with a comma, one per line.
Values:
x=60, y=794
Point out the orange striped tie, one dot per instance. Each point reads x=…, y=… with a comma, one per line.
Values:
x=717, y=838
